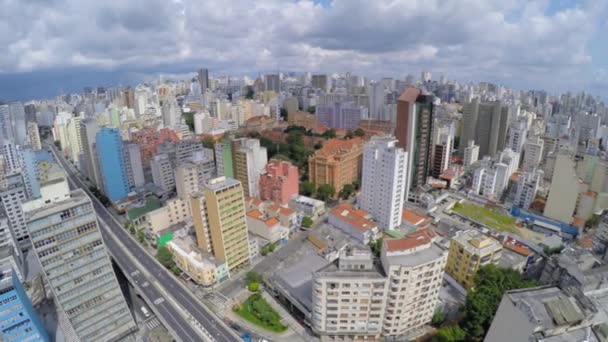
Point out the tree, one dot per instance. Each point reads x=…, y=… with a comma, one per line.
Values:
x=57, y=144
x=357, y=184
x=359, y=132
x=283, y=114
x=311, y=109
x=165, y=257
x=349, y=135
x=176, y=270
x=490, y=284
x=593, y=221
x=555, y=250
x=325, y=192
x=132, y=230
x=329, y=134
x=249, y=93
x=208, y=142
x=450, y=334
x=347, y=191
x=189, y=118
x=253, y=277
x=307, y=222
x=141, y=236
x=438, y=318
x=318, y=146
x=307, y=188
x=254, y=287
x=376, y=247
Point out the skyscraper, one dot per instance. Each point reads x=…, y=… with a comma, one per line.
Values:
x=249, y=160
x=19, y=320
x=68, y=244
x=18, y=122
x=90, y=162
x=384, y=181
x=33, y=136
x=110, y=153
x=485, y=123
x=272, y=82
x=414, y=130
x=13, y=194
x=345, y=115
x=319, y=81
x=203, y=79
x=6, y=126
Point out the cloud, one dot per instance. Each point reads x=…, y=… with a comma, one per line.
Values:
x=518, y=42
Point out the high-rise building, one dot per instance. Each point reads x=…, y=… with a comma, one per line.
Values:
x=171, y=113
x=442, y=150
x=345, y=115
x=112, y=166
x=18, y=122
x=220, y=221
x=6, y=123
x=272, y=82
x=162, y=172
x=223, y=158
x=90, y=163
x=135, y=171
x=533, y=153
x=33, y=136
x=527, y=186
x=471, y=154
x=69, y=246
x=279, y=182
x=518, y=131
x=29, y=171
x=13, y=194
x=564, y=190
x=319, y=82
x=469, y=250
x=249, y=160
x=337, y=163
x=203, y=79
x=414, y=131
x=384, y=181
x=20, y=322
x=485, y=123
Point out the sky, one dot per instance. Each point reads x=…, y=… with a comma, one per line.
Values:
x=48, y=47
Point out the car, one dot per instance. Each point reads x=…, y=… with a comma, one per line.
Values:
x=145, y=312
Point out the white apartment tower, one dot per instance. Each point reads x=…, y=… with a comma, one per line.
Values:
x=533, y=154
x=384, y=181
x=527, y=186
x=33, y=136
x=471, y=154
x=67, y=241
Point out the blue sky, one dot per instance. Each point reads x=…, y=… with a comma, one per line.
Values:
x=62, y=45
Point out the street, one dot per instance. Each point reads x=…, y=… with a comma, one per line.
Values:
x=160, y=279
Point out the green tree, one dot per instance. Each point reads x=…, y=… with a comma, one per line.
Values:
x=311, y=109
x=283, y=114
x=554, y=250
x=132, y=230
x=165, y=257
x=141, y=236
x=347, y=191
x=252, y=277
x=176, y=270
x=249, y=93
x=329, y=134
x=307, y=222
x=254, y=287
x=450, y=334
x=376, y=247
x=318, y=146
x=490, y=284
x=325, y=192
x=189, y=118
x=307, y=188
x=57, y=144
x=359, y=132
x=349, y=135
x=438, y=319
x=593, y=221
x=208, y=142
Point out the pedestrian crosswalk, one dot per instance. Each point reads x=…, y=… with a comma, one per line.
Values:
x=152, y=323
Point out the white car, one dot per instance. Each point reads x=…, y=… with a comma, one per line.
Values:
x=145, y=312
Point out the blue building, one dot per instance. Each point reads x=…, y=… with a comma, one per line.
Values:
x=30, y=176
x=110, y=152
x=18, y=319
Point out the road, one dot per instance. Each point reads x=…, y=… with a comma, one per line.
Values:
x=153, y=277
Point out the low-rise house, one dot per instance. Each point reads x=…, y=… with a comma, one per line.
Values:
x=356, y=223
x=268, y=228
x=308, y=206
x=201, y=267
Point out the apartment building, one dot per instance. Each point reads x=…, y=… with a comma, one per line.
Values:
x=469, y=250
x=337, y=163
x=67, y=241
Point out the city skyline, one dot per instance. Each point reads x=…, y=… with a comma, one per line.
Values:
x=554, y=45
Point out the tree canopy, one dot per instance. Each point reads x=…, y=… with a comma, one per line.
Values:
x=307, y=222
x=325, y=192
x=165, y=257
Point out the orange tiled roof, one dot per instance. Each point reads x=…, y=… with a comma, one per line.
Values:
x=578, y=222
x=334, y=146
x=410, y=94
x=286, y=211
x=255, y=214
x=586, y=242
x=413, y=217
x=356, y=218
x=418, y=238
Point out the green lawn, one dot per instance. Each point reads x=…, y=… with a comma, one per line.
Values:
x=257, y=311
x=489, y=217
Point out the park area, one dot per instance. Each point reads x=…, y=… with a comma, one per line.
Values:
x=257, y=311
x=488, y=217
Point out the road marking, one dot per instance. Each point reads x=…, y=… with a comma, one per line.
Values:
x=158, y=301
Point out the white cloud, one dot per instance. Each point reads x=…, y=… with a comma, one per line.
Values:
x=512, y=40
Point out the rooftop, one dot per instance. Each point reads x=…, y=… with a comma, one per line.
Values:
x=413, y=217
x=334, y=147
x=356, y=218
x=409, y=95
x=416, y=239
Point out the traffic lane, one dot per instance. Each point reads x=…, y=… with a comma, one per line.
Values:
x=184, y=332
